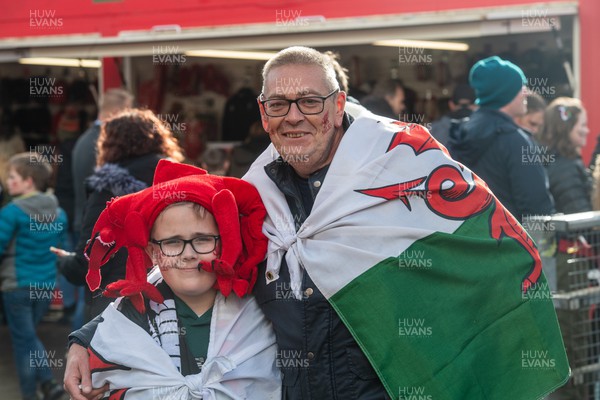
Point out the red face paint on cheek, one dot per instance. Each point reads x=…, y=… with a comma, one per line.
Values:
x=326, y=124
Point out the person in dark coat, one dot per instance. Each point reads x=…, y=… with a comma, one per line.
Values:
x=493, y=146
x=387, y=99
x=129, y=148
x=70, y=127
x=245, y=154
x=461, y=107
x=84, y=152
x=565, y=133
x=241, y=111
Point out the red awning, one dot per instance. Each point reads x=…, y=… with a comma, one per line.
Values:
x=108, y=18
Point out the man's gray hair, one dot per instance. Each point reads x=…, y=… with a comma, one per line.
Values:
x=303, y=56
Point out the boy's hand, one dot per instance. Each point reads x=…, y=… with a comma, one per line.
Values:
x=60, y=252
x=77, y=380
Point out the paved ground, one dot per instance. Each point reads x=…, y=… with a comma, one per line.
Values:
x=54, y=337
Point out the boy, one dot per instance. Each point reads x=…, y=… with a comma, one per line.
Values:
x=204, y=234
x=29, y=224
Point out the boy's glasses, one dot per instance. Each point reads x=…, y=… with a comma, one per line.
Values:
x=309, y=105
x=200, y=244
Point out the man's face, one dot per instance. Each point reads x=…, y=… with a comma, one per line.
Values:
x=532, y=121
x=306, y=142
x=397, y=101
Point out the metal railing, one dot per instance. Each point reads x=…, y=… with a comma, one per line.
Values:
x=570, y=249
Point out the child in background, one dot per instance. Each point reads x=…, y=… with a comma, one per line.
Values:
x=196, y=340
x=29, y=225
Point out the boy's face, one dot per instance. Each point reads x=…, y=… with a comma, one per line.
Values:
x=181, y=272
x=16, y=184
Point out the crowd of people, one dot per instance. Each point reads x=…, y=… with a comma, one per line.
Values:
x=291, y=282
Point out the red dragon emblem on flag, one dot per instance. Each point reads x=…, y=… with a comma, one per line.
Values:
x=452, y=197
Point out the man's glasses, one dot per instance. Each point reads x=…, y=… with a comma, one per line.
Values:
x=201, y=244
x=309, y=105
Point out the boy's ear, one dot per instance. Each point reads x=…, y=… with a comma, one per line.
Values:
x=29, y=182
x=150, y=250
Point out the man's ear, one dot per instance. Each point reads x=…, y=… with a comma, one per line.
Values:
x=340, y=105
x=263, y=117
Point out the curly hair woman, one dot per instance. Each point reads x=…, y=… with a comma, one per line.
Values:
x=129, y=146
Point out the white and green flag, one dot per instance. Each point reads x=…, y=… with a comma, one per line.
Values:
x=440, y=286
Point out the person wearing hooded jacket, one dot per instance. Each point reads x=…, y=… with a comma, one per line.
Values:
x=461, y=107
x=129, y=147
x=493, y=146
x=29, y=224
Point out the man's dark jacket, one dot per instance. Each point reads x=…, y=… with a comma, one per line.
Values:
x=507, y=159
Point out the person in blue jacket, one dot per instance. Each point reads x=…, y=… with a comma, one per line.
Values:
x=29, y=225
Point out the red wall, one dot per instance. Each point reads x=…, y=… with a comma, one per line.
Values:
x=589, y=14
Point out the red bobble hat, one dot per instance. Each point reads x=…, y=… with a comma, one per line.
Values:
x=127, y=221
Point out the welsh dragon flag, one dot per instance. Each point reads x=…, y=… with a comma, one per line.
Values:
x=440, y=286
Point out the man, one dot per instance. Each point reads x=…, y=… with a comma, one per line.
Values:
x=353, y=106
x=344, y=198
x=461, y=106
x=493, y=146
x=387, y=99
x=84, y=152
x=533, y=120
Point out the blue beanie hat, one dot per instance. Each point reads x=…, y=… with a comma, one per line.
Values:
x=496, y=82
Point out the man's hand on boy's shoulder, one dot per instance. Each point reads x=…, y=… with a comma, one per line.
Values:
x=78, y=380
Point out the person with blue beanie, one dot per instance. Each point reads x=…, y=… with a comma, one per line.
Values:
x=493, y=146
x=496, y=82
